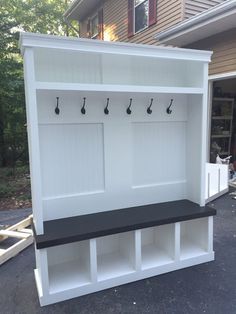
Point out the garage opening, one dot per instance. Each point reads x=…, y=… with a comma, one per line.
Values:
x=223, y=123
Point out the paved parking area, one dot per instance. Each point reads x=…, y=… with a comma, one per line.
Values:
x=208, y=288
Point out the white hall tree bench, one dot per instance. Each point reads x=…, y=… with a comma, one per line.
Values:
x=117, y=140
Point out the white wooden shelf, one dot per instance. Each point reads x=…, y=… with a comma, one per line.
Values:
x=113, y=265
x=220, y=135
x=68, y=275
x=221, y=117
x=222, y=99
x=154, y=256
x=68, y=266
x=189, y=249
x=158, y=246
x=222, y=120
x=114, y=255
x=54, y=86
x=191, y=244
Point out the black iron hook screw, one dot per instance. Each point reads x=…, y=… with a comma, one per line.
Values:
x=57, y=110
x=128, y=110
x=106, y=111
x=149, y=110
x=168, y=110
x=83, y=110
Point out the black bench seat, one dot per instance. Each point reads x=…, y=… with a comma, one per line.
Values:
x=78, y=228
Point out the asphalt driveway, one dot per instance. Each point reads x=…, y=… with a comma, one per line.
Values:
x=207, y=288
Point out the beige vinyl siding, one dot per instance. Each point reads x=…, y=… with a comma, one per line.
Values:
x=224, y=47
x=115, y=15
x=169, y=12
x=193, y=7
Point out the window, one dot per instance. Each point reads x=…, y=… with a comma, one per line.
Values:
x=94, y=26
x=140, y=14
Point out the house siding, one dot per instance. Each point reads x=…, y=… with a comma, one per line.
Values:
x=115, y=14
x=193, y=7
x=224, y=47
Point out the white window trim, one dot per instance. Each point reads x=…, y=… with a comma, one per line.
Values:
x=94, y=35
x=142, y=29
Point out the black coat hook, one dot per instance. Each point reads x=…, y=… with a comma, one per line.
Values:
x=168, y=110
x=57, y=110
x=106, y=111
x=149, y=110
x=128, y=110
x=83, y=110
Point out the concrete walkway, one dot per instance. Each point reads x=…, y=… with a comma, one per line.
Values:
x=208, y=288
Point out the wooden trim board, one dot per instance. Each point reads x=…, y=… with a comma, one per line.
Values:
x=16, y=231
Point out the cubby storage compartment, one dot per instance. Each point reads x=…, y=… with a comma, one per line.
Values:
x=158, y=245
x=194, y=238
x=115, y=255
x=68, y=266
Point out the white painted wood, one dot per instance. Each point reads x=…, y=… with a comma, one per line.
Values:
x=68, y=266
x=83, y=164
x=93, y=260
x=39, y=285
x=33, y=139
x=65, y=66
x=216, y=180
x=194, y=149
x=130, y=135
x=114, y=88
x=204, y=139
x=42, y=267
x=44, y=42
x=177, y=241
x=68, y=154
x=210, y=234
x=115, y=255
x=113, y=282
x=138, y=252
x=151, y=160
x=157, y=246
x=194, y=238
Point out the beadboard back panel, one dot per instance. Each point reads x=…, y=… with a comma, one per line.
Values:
x=96, y=162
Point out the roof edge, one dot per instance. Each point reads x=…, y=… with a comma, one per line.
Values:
x=196, y=21
x=71, y=7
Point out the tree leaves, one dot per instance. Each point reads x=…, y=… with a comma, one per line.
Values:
x=40, y=16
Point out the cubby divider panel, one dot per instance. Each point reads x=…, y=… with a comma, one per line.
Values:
x=193, y=238
x=68, y=266
x=158, y=245
x=115, y=255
